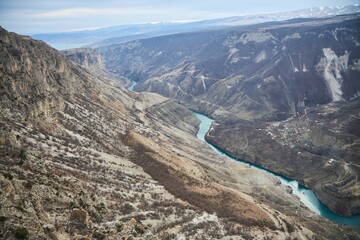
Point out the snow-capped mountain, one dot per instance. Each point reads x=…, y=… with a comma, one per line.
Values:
x=124, y=33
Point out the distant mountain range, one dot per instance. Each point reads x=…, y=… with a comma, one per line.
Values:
x=124, y=33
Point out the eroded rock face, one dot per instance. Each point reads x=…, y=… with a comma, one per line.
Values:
x=86, y=57
x=108, y=163
x=319, y=149
x=94, y=62
x=266, y=72
x=21, y=70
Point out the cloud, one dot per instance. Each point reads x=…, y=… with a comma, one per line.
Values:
x=93, y=12
x=36, y=16
x=63, y=13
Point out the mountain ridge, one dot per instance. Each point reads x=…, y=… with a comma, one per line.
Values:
x=125, y=33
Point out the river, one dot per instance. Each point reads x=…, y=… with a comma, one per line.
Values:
x=131, y=88
x=307, y=196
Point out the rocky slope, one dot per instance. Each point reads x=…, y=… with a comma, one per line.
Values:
x=263, y=73
x=93, y=61
x=268, y=72
x=320, y=149
x=82, y=158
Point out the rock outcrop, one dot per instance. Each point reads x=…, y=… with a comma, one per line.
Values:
x=87, y=57
x=93, y=61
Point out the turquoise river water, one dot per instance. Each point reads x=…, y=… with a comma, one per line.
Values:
x=307, y=196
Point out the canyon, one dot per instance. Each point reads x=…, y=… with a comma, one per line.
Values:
x=283, y=83
x=82, y=157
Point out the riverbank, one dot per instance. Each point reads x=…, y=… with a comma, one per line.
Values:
x=306, y=196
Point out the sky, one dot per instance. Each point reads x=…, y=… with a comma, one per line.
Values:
x=46, y=16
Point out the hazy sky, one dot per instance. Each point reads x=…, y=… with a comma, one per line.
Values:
x=40, y=16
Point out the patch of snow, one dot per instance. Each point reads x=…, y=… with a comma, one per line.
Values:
x=295, y=69
x=260, y=57
x=331, y=66
x=203, y=82
x=304, y=68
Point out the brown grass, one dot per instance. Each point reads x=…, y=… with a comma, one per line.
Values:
x=205, y=196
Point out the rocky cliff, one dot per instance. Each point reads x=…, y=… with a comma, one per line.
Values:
x=82, y=158
x=93, y=61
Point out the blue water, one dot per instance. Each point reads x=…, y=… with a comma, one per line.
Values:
x=307, y=196
x=131, y=88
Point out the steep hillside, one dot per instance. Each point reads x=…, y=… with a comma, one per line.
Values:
x=267, y=72
x=82, y=158
x=321, y=149
x=93, y=61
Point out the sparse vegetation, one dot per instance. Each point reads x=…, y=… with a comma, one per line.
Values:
x=127, y=208
x=8, y=176
x=119, y=227
x=22, y=154
x=100, y=207
x=82, y=203
x=28, y=185
x=139, y=230
x=21, y=233
x=3, y=219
